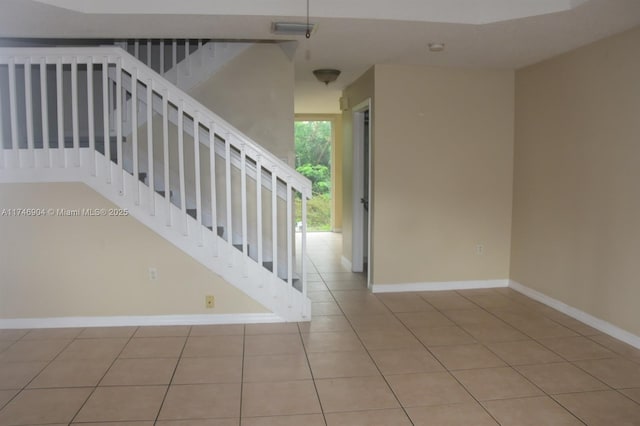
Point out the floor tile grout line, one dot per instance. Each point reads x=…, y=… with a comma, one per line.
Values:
x=166, y=392
x=442, y=364
x=404, y=410
x=103, y=376
x=244, y=346
x=313, y=379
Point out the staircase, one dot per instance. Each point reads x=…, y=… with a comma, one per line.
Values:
x=99, y=115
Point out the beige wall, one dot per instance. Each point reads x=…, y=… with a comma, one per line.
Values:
x=442, y=174
x=356, y=93
x=97, y=266
x=576, y=222
x=254, y=92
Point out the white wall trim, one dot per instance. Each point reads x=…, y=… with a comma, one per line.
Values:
x=438, y=286
x=597, y=323
x=118, y=321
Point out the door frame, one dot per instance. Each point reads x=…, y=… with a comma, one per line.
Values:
x=358, y=249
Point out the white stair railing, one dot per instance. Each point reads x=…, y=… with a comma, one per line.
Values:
x=56, y=108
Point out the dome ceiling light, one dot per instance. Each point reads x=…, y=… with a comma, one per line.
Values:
x=327, y=75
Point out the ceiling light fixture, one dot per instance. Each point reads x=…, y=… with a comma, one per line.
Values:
x=436, y=47
x=326, y=76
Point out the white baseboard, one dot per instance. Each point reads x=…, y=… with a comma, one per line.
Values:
x=346, y=263
x=597, y=323
x=438, y=286
x=118, y=321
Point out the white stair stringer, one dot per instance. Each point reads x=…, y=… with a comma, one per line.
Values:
x=194, y=239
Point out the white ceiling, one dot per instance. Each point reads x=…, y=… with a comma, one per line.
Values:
x=351, y=36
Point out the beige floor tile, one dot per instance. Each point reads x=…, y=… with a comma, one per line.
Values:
x=6, y=396
x=466, y=414
x=122, y=403
x=209, y=370
x=546, y=330
x=320, y=296
x=347, y=285
x=12, y=335
x=395, y=417
x=273, y=344
x=423, y=389
x=491, y=333
x=279, y=398
x=140, y=371
x=616, y=372
x=602, y=408
x=147, y=423
x=317, y=286
x=68, y=374
x=442, y=336
x=490, y=300
x=464, y=357
x=471, y=317
x=447, y=300
x=338, y=341
x=163, y=331
x=405, y=361
x=40, y=406
x=202, y=401
x=376, y=322
x=34, y=350
x=282, y=328
x=106, y=332
x=302, y=419
x=207, y=422
x=617, y=346
x=405, y=303
x=424, y=319
x=341, y=364
x=533, y=411
x=322, y=324
x=16, y=375
x=524, y=352
x=560, y=378
x=93, y=349
x=217, y=330
x=53, y=333
x=632, y=393
x=363, y=307
x=496, y=383
x=214, y=346
x=154, y=347
x=325, y=308
x=355, y=394
x=376, y=340
x=276, y=368
x=577, y=348
x=4, y=344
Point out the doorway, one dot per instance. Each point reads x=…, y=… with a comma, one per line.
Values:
x=361, y=261
x=313, y=147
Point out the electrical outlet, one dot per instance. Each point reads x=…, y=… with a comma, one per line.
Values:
x=210, y=301
x=479, y=249
x=153, y=274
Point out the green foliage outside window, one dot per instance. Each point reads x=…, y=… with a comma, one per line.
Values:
x=313, y=160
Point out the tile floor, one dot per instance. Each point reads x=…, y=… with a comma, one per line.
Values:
x=481, y=357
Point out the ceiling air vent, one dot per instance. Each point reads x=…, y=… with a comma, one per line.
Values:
x=292, y=28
